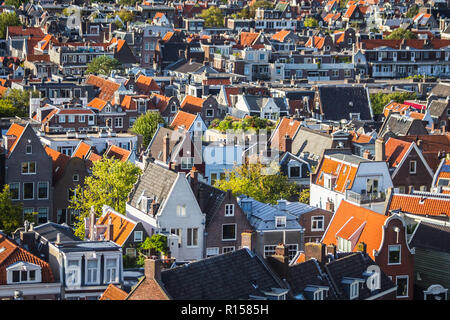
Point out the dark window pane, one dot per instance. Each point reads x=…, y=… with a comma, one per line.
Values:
x=295, y=172
x=28, y=190
x=229, y=231
x=16, y=276
x=32, y=275
x=24, y=276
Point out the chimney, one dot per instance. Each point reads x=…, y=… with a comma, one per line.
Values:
x=361, y=247
x=280, y=260
x=380, y=149
x=58, y=239
x=248, y=239
x=316, y=251
x=194, y=182
x=92, y=224
x=165, y=150
x=152, y=269
x=110, y=230
x=287, y=143
x=329, y=205
x=331, y=249
x=366, y=154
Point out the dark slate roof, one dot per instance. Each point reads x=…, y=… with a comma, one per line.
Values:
x=82, y=246
x=431, y=236
x=397, y=124
x=305, y=274
x=50, y=230
x=155, y=147
x=437, y=107
x=231, y=276
x=441, y=90
x=155, y=181
x=312, y=141
x=353, y=266
x=185, y=66
x=256, y=103
x=210, y=199
x=336, y=102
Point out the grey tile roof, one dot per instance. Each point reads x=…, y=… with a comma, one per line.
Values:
x=230, y=276
x=437, y=107
x=353, y=266
x=339, y=101
x=397, y=124
x=50, y=230
x=432, y=237
x=311, y=141
x=441, y=90
x=155, y=147
x=210, y=199
x=81, y=246
x=155, y=182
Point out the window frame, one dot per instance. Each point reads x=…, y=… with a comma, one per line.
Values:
x=138, y=232
x=25, y=183
x=97, y=271
x=191, y=238
x=18, y=190
x=315, y=219
x=227, y=206
x=28, y=168
x=415, y=166
x=47, y=190
x=107, y=278
x=407, y=285
x=235, y=231
x=399, y=254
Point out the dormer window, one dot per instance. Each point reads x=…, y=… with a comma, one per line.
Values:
x=354, y=290
x=29, y=149
x=23, y=272
x=280, y=222
x=344, y=245
x=351, y=285
x=108, y=109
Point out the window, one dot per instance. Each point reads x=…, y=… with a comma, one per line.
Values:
x=76, y=177
x=71, y=118
x=227, y=249
x=62, y=119
x=72, y=272
x=317, y=223
x=131, y=252
x=28, y=191
x=181, y=211
x=294, y=172
x=344, y=245
x=178, y=233
x=402, y=286
x=118, y=122
x=372, y=186
x=23, y=272
x=138, y=236
x=292, y=250
x=187, y=163
x=210, y=112
x=29, y=167
x=61, y=215
x=192, y=237
x=269, y=250
x=42, y=190
x=42, y=215
x=228, y=232
x=14, y=188
x=29, y=149
x=81, y=119
x=111, y=270
x=280, y=222
x=354, y=290
x=394, y=254
x=92, y=271
x=212, y=252
x=229, y=210
x=319, y=295
x=412, y=166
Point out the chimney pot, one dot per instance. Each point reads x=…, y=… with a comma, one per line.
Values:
x=152, y=269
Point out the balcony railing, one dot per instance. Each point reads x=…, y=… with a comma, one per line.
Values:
x=362, y=198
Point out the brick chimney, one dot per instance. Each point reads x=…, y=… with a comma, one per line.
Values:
x=248, y=239
x=152, y=269
x=316, y=251
x=287, y=143
x=193, y=174
x=329, y=205
x=166, y=141
x=331, y=249
x=366, y=154
x=92, y=224
x=280, y=260
x=380, y=149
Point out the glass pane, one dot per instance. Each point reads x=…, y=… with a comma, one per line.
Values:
x=73, y=263
x=32, y=275
x=16, y=276
x=92, y=264
x=111, y=263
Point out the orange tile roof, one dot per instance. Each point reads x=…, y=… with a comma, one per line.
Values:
x=3, y=91
x=395, y=107
x=421, y=205
x=192, y=104
x=122, y=227
x=59, y=161
x=280, y=35
x=315, y=42
x=167, y=36
x=350, y=227
x=82, y=150
x=287, y=126
x=231, y=91
x=371, y=234
x=113, y=293
x=395, y=151
x=216, y=82
x=120, y=43
x=13, y=253
x=147, y=84
x=182, y=118
x=117, y=153
x=97, y=103
x=160, y=101
x=107, y=87
x=344, y=173
x=248, y=38
x=50, y=115
x=417, y=115
x=29, y=31
x=350, y=11
x=360, y=138
x=15, y=130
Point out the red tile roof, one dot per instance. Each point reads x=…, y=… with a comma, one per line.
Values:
x=113, y=293
x=348, y=221
x=59, y=161
x=18, y=31
x=13, y=254
x=395, y=151
x=343, y=172
x=107, y=87
x=421, y=204
x=117, y=153
x=192, y=104
x=248, y=38
x=395, y=107
x=82, y=150
x=280, y=35
x=15, y=130
x=122, y=226
x=147, y=85
x=97, y=103
x=182, y=118
x=287, y=126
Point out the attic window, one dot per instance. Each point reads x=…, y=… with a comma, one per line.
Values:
x=280, y=222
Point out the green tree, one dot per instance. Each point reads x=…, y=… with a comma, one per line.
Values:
x=7, y=20
x=157, y=242
x=259, y=4
x=380, y=100
x=20, y=99
x=126, y=16
x=247, y=124
x=412, y=11
x=400, y=34
x=103, y=65
x=14, y=3
x=264, y=184
x=146, y=125
x=7, y=109
x=110, y=183
x=213, y=17
x=10, y=214
x=304, y=196
x=311, y=23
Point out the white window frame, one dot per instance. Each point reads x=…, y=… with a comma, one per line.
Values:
x=40, y=212
x=31, y=149
x=81, y=119
x=187, y=163
x=20, y=266
x=24, y=191
x=97, y=271
x=268, y=249
x=27, y=173
x=18, y=189
x=72, y=269
x=108, y=277
x=132, y=250
x=399, y=254
x=77, y=177
x=228, y=249
x=71, y=118
x=139, y=239
x=316, y=219
x=181, y=210
x=407, y=285
x=47, y=187
x=235, y=231
x=191, y=238
x=354, y=290
x=282, y=219
x=415, y=166
x=212, y=251
x=229, y=210
x=118, y=122
x=62, y=119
